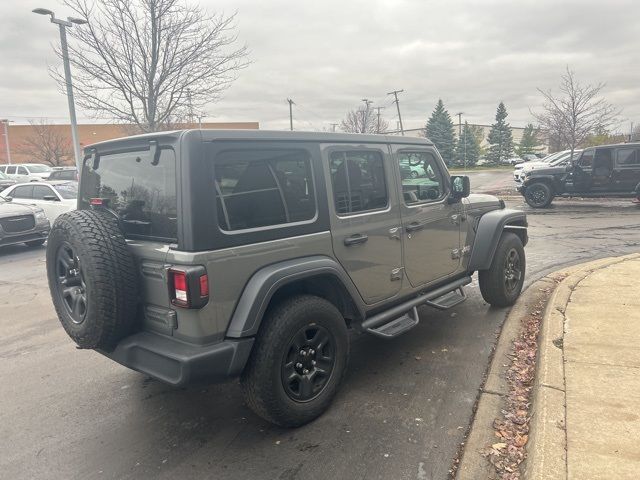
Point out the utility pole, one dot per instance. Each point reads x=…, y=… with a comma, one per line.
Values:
x=190, y=105
x=365, y=114
x=378, y=115
x=459, y=114
x=200, y=117
x=333, y=127
x=397, y=102
x=63, y=24
x=6, y=139
x=290, y=113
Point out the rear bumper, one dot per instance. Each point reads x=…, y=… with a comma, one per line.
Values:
x=178, y=363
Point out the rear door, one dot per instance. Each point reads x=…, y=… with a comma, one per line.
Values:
x=431, y=225
x=365, y=221
x=626, y=174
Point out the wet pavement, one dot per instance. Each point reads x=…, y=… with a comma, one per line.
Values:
x=401, y=413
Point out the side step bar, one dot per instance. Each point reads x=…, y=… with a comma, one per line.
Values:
x=399, y=319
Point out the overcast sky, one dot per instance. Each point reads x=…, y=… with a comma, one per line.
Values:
x=327, y=55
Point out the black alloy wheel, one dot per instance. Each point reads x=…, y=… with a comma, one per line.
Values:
x=308, y=363
x=512, y=270
x=71, y=285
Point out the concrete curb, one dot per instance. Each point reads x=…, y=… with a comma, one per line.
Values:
x=473, y=464
x=546, y=448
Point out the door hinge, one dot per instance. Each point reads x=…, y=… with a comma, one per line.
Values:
x=396, y=274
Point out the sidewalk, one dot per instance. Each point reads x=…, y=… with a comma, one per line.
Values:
x=586, y=411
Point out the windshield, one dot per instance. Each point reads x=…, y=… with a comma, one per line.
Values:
x=39, y=168
x=67, y=190
x=141, y=193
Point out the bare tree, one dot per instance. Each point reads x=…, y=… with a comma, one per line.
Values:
x=48, y=144
x=363, y=120
x=151, y=62
x=576, y=113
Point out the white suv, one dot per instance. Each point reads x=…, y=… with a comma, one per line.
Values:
x=27, y=172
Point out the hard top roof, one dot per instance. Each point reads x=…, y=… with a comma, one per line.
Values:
x=321, y=137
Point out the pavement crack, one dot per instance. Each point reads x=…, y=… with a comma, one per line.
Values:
x=553, y=387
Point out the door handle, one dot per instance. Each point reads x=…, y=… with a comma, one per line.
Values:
x=414, y=226
x=355, y=239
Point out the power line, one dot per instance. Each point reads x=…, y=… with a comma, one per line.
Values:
x=397, y=102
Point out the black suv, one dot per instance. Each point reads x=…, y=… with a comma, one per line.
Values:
x=605, y=171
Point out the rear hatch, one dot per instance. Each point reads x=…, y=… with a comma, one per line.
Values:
x=139, y=186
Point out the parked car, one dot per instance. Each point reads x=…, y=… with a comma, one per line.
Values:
x=22, y=224
x=54, y=198
x=64, y=174
x=27, y=172
x=218, y=254
x=604, y=171
x=5, y=181
x=554, y=160
x=511, y=161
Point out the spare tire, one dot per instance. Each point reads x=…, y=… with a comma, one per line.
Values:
x=92, y=278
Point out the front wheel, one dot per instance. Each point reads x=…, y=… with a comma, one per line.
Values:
x=298, y=361
x=538, y=195
x=502, y=283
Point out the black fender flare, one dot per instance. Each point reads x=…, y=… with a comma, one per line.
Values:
x=550, y=179
x=488, y=232
x=261, y=287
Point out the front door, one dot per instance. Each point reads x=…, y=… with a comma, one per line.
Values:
x=431, y=225
x=365, y=221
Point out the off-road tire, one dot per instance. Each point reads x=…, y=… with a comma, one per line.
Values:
x=108, y=271
x=35, y=243
x=261, y=381
x=493, y=285
x=539, y=195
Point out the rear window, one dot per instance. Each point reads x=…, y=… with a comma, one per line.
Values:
x=67, y=190
x=143, y=194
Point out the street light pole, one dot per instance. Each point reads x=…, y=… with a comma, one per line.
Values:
x=62, y=25
x=6, y=140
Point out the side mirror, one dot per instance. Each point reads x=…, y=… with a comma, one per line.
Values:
x=51, y=198
x=460, y=187
x=9, y=199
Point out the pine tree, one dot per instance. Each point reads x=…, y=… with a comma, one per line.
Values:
x=500, y=138
x=468, y=148
x=530, y=142
x=441, y=132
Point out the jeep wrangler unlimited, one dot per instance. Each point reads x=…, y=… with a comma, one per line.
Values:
x=208, y=255
x=606, y=171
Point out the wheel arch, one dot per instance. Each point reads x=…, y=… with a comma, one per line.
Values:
x=489, y=230
x=317, y=275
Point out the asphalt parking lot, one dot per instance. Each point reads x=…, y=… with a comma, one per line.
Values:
x=402, y=412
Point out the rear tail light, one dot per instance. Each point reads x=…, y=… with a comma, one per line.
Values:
x=188, y=286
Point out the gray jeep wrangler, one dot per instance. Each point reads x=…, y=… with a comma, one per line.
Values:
x=208, y=255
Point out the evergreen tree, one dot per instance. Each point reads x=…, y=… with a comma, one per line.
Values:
x=530, y=142
x=441, y=132
x=468, y=148
x=500, y=138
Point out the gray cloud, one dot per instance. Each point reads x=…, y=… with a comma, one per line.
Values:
x=329, y=55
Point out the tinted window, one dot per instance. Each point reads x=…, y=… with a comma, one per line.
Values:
x=143, y=194
x=422, y=179
x=11, y=170
x=627, y=156
x=67, y=190
x=22, y=171
x=260, y=188
x=24, y=191
x=358, y=181
x=63, y=175
x=41, y=191
x=586, y=160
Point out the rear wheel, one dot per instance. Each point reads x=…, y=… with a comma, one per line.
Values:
x=502, y=283
x=298, y=361
x=538, y=195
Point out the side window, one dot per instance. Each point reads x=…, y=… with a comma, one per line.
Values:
x=24, y=191
x=261, y=188
x=22, y=171
x=11, y=170
x=422, y=178
x=627, y=156
x=3, y=168
x=41, y=191
x=586, y=160
x=358, y=181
